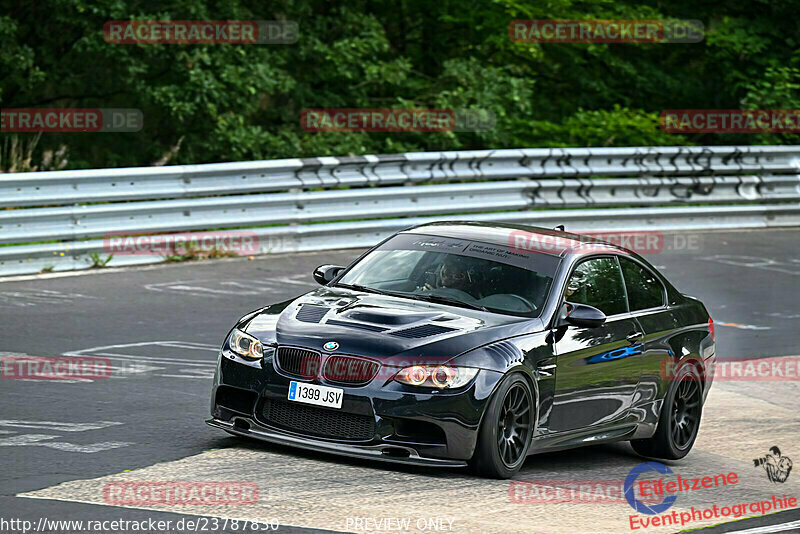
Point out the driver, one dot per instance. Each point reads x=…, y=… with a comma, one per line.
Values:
x=454, y=274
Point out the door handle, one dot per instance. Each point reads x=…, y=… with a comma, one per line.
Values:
x=635, y=337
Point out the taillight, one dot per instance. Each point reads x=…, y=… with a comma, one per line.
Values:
x=711, y=327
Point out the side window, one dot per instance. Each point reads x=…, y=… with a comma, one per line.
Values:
x=598, y=282
x=644, y=289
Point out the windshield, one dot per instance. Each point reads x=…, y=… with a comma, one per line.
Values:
x=458, y=272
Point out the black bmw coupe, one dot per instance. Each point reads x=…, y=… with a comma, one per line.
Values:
x=461, y=343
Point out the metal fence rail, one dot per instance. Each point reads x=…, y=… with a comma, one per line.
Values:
x=354, y=201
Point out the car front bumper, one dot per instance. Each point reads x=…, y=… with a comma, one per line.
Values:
x=243, y=391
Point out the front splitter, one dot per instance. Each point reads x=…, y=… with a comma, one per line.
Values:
x=381, y=452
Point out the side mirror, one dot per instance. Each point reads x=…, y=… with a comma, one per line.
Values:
x=584, y=316
x=325, y=273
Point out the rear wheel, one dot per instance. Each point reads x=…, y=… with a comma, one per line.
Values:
x=505, y=433
x=679, y=420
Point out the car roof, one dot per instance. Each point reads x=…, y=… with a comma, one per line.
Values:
x=518, y=236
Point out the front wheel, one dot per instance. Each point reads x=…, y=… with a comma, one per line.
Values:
x=679, y=420
x=505, y=433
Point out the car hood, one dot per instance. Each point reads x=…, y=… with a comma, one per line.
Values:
x=382, y=327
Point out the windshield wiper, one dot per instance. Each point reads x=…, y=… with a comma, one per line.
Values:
x=366, y=289
x=444, y=300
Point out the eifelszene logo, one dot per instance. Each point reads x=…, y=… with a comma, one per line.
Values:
x=777, y=466
x=637, y=504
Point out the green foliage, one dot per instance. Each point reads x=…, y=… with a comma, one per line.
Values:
x=193, y=253
x=96, y=261
x=207, y=103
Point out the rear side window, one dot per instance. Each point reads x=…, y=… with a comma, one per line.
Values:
x=597, y=282
x=644, y=289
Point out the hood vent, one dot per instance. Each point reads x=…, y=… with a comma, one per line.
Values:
x=425, y=330
x=311, y=313
x=387, y=318
x=351, y=324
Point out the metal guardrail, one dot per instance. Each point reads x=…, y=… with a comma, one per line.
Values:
x=669, y=188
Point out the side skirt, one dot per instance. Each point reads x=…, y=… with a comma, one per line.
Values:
x=582, y=438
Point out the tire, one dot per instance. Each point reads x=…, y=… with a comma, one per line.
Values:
x=506, y=419
x=672, y=440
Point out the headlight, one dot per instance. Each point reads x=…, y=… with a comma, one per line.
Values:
x=438, y=376
x=245, y=345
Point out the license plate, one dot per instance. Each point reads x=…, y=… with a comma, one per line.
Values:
x=313, y=394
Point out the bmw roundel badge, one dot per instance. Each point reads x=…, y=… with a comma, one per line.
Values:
x=330, y=345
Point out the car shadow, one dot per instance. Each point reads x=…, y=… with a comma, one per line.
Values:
x=594, y=460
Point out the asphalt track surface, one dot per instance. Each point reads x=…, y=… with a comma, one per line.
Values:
x=60, y=442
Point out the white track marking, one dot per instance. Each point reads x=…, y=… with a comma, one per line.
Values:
x=790, y=266
x=221, y=288
x=780, y=315
x=244, y=285
x=133, y=368
x=22, y=298
x=152, y=359
x=193, y=373
x=193, y=346
x=44, y=440
x=122, y=345
x=88, y=448
x=294, y=280
x=200, y=291
x=59, y=426
x=138, y=364
x=40, y=440
x=25, y=439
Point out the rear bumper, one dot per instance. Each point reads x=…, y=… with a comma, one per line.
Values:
x=401, y=454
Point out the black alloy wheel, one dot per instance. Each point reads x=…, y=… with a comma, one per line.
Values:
x=686, y=413
x=507, y=429
x=514, y=425
x=679, y=419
